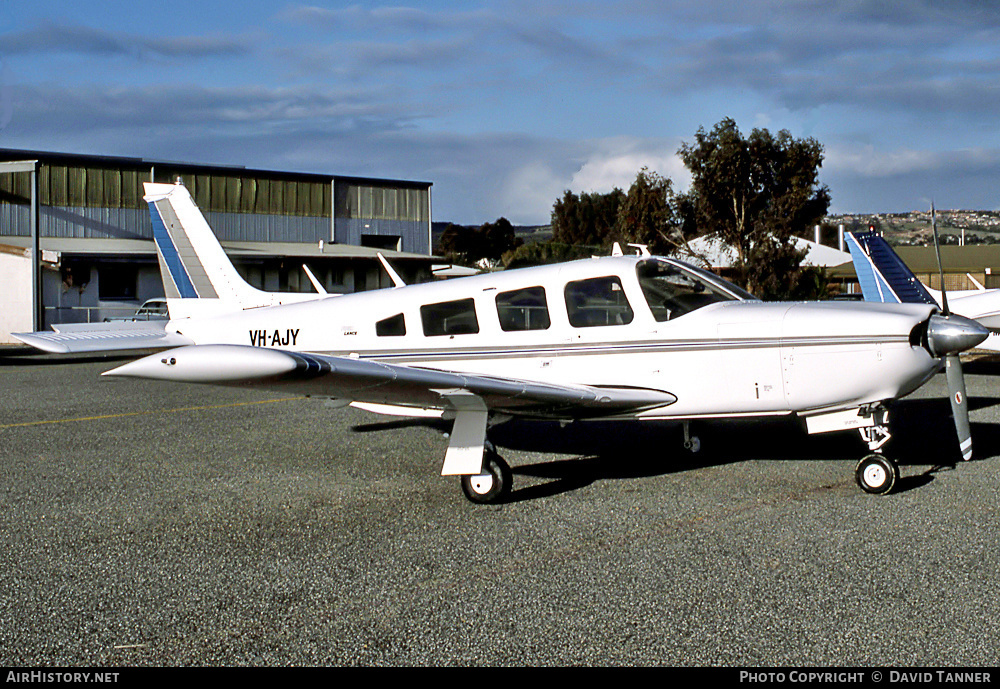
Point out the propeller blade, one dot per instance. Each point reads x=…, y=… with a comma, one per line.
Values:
x=959, y=403
x=953, y=335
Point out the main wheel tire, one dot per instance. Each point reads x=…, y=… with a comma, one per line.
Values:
x=493, y=485
x=876, y=474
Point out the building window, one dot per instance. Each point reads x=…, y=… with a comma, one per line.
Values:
x=389, y=242
x=117, y=282
x=75, y=273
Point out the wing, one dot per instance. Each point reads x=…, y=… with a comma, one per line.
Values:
x=103, y=337
x=382, y=383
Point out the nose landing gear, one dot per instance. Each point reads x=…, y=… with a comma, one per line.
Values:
x=877, y=474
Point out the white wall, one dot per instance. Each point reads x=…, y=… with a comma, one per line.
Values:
x=15, y=293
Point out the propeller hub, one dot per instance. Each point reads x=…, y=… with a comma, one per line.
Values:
x=952, y=334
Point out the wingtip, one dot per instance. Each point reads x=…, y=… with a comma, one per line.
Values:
x=42, y=343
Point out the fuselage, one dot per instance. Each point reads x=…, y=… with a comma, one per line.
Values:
x=648, y=323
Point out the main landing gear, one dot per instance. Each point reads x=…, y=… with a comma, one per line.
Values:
x=692, y=443
x=494, y=484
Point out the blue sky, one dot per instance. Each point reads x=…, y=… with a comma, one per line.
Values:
x=504, y=105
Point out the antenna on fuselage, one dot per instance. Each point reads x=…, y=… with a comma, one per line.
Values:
x=312, y=278
x=393, y=275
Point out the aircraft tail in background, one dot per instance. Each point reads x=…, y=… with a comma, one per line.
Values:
x=882, y=274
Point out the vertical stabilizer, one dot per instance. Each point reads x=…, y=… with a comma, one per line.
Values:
x=198, y=277
x=192, y=262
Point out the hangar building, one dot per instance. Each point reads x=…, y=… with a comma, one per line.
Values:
x=76, y=241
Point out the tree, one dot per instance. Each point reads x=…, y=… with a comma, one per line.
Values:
x=755, y=193
x=457, y=242
x=586, y=220
x=589, y=223
x=497, y=238
x=648, y=214
x=473, y=244
x=540, y=253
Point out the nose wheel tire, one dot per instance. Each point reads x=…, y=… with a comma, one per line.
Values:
x=877, y=474
x=493, y=485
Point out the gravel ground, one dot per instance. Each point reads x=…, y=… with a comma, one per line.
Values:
x=149, y=524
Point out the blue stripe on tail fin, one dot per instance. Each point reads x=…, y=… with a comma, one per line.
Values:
x=171, y=258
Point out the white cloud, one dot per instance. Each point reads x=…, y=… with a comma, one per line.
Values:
x=616, y=161
x=529, y=190
x=529, y=193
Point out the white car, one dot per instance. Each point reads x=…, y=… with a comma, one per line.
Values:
x=151, y=310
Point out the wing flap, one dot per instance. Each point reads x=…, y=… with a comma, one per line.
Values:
x=381, y=383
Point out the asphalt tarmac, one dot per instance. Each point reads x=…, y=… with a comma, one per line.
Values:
x=151, y=524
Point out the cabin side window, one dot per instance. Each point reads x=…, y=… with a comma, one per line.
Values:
x=394, y=326
x=523, y=309
x=450, y=318
x=597, y=301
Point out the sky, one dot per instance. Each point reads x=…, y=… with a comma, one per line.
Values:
x=503, y=106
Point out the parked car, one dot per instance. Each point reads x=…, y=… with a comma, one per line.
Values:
x=151, y=310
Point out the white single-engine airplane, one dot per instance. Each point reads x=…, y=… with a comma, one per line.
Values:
x=617, y=337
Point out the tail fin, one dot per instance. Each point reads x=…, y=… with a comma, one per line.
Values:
x=882, y=274
x=198, y=277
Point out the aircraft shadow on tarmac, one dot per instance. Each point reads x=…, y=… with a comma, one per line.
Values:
x=923, y=434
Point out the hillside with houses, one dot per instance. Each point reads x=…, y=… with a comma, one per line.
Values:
x=914, y=228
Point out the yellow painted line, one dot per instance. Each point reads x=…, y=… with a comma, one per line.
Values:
x=145, y=413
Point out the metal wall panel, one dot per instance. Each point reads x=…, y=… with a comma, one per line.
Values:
x=128, y=223
x=94, y=223
x=15, y=220
x=413, y=235
x=252, y=227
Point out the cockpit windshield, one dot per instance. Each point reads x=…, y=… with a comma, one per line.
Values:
x=672, y=291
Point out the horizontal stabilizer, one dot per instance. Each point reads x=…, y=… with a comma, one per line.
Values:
x=380, y=383
x=103, y=337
